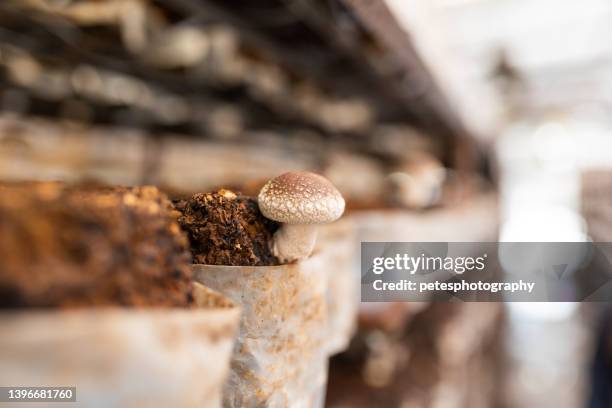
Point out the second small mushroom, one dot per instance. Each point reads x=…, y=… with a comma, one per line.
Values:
x=300, y=201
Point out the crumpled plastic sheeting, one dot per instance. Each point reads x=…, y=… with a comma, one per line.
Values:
x=124, y=357
x=280, y=357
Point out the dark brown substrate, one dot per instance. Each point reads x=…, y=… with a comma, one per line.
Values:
x=226, y=228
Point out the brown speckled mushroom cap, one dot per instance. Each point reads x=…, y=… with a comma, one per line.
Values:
x=301, y=197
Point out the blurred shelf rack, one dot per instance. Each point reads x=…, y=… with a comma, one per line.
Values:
x=352, y=55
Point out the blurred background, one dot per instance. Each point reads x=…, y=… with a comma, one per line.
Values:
x=439, y=120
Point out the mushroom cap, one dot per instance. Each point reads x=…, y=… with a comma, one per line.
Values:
x=300, y=197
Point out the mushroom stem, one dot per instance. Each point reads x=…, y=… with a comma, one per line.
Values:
x=294, y=242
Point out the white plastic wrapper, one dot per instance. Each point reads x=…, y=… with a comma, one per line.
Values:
x=117, y=357
x=280, y=357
